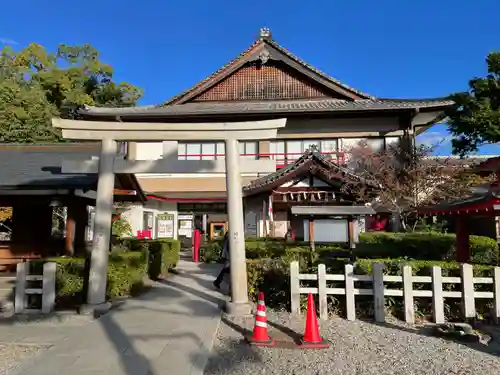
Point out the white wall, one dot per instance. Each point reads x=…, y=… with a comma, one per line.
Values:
x=134, y=215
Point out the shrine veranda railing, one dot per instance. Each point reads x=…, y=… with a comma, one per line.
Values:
x=467, y=294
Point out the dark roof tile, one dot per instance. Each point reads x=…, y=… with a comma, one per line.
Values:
x=269, y=107
x=39, y=166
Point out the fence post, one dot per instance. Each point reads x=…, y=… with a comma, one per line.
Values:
x=48, y=287
x=323, y=302
x=468, y=305
x=294, y=287
x=496, y=294
x=349, y=292
x=20, y=297
x=408, y=294
x=378, y=292
x=437, y=295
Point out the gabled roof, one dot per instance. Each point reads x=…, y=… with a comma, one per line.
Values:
x=265, y=48
x=308, y=92
x=310, y=162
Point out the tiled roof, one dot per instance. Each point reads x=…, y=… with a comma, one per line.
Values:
x=270, y=107
x=269, y=41
x=176, y=106
x=473, y=199
x=308, y=157
x=39, y=166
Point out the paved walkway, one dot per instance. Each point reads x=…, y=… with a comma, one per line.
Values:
x=169, y=330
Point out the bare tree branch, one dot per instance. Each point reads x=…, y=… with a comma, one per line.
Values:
x=409, y=179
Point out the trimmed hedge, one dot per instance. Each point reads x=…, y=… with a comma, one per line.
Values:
x=273, y=278
x=268, y=263
x=420, y=246
x=164, y=254
x=128, y=267
x=126, y=275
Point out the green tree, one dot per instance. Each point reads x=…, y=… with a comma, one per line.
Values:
x=36, y=85
x=475, y=119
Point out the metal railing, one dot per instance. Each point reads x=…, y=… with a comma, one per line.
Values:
x=282, y=158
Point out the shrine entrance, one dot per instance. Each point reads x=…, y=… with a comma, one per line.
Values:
x=109, y=132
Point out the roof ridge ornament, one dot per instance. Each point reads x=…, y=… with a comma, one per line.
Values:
x=264, y=57
x=265, y=33
x=313, y=148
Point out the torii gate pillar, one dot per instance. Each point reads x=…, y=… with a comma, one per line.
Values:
x=239, y=284
x=96, y=294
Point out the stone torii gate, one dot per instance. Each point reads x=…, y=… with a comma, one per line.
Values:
x=108, y=132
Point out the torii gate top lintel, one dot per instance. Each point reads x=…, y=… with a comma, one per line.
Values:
x=151, y=131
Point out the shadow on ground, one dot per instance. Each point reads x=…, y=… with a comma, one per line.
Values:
x=492, y=347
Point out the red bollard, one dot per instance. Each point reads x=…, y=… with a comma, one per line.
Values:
x=196, y=245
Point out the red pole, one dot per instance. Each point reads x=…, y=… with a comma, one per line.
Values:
x=196, y=245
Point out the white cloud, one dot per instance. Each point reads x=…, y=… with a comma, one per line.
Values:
x=433, y=138
x=7, y=41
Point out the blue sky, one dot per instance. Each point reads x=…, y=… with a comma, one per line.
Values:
x=388, y=48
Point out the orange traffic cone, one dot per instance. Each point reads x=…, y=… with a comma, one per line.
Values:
x=260, y=336
x=312, y=339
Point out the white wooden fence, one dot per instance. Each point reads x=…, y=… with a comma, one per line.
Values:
x=378, y=290
x=47, y=289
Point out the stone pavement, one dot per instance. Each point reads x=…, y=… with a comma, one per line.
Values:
x=169, y=330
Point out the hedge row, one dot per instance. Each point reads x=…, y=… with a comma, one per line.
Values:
x=268, y=264
x=128, y=269
x=420, y=246
x=164, y=254
x=272, y=276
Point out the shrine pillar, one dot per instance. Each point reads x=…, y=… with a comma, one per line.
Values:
x=462, y=240
x=239, y=292
x=96, y=294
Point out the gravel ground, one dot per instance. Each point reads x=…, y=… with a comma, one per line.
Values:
x=12, y=356
x=355, y=348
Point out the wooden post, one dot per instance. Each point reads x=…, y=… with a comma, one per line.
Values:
x=69, y=248
x=311, y=233
x=264, y=219
x=468, y=303
x=349, y=292
x=408, y=295
x=462, y=240
x=295, y=287
x=323, y=301
x=496, y=295
x=351, y=235
x=378, y=292
x=437, y=295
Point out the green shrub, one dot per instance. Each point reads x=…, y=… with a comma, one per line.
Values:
x=164, y=256
x=423, y=246
x=126, y=273
x=272, y=277
x=484, y=250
